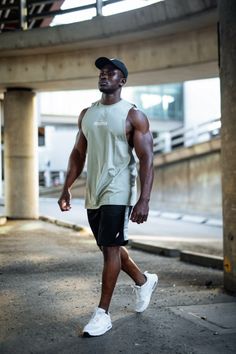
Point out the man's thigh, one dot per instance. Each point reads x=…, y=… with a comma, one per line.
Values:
x=109, y=224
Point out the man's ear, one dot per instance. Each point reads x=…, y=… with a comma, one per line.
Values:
x=122, y=81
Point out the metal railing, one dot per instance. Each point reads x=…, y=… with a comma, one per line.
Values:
x=166, y=142
x=185, y=137
x=99, y=4
x=25, y=14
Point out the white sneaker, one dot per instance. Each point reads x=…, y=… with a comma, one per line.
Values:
x=144, y=292
x=99, y=324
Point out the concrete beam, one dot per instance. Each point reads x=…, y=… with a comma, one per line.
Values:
x=179, y=57
x=160, y=43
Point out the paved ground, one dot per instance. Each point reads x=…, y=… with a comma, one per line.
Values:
x=50, y=284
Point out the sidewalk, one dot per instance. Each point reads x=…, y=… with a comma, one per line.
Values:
x=50, y=282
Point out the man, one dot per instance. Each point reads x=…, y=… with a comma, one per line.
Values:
x=109, y=131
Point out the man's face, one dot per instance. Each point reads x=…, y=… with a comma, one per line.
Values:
x=110, y=79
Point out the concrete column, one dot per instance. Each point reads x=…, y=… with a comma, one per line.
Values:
x=227, y=16
x=1, y=120
x=21, y=163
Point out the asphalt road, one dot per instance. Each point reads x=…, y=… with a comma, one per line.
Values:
x=165, y=231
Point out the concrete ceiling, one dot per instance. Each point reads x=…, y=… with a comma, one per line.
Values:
x=169, y=41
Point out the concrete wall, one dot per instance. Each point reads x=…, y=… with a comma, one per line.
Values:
x=191, y=185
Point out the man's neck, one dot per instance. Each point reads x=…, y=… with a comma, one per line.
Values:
x=108, y=99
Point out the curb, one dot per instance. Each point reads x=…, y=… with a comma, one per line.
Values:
x=172, y=216
x=195, y=219
x=202, y=259
x=163, y=251
x=205, y=260
x=214, y=222
x=83, y=230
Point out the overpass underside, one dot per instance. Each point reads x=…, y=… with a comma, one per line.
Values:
x=151, y=61
x=166, y=42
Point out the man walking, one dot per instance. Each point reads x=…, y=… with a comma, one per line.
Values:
x=109, y=131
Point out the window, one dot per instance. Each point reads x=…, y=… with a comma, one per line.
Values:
x=41, y=136
x=163, y=102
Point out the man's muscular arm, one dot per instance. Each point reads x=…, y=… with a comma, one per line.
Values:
x=143, y=145
x=75, y=166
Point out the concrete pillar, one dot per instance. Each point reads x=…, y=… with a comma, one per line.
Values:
x=21, y=164
x=1, y=120
x=227, y=16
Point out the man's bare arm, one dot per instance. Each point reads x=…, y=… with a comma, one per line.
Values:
x=75, y=166
x=143, y=145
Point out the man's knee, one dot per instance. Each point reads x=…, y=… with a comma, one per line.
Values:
x=110, y=251
x=124, y=255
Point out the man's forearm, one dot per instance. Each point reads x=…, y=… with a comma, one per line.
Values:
x=146, y=175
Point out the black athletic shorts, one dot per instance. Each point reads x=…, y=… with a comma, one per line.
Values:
x=109, y=224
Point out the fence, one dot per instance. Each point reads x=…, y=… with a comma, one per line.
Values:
x=184, y=137
x=26, y=14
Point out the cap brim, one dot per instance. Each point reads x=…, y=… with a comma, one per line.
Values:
x=102, y=61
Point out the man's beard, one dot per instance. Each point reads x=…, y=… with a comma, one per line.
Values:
x=106, y=90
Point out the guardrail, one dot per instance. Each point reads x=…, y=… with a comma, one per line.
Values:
x=99, y=4
x=184, y=137
x=26, y=14
x=166, y=142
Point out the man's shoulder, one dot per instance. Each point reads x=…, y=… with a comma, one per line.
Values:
x=93, y=104
x=81, y=116
x=82, y=113
x=137, y=118
x=136, y=113
x=128, y=103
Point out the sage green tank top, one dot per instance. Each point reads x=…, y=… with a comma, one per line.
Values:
x=111, y=167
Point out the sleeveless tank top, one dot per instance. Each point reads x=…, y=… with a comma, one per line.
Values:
x=111, y=167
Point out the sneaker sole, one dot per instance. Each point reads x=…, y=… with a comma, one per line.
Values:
x=89, y=335
x=153, y=289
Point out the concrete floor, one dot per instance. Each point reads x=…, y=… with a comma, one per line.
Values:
x=50, y=284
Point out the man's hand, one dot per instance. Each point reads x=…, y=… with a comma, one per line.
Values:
x=64, y=201
x=140, y=212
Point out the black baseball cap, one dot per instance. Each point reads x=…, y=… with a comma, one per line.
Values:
x=102, y=61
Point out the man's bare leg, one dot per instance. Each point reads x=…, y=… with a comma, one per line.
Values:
x=111, y=270
x=115, y=259
x=131, y=268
